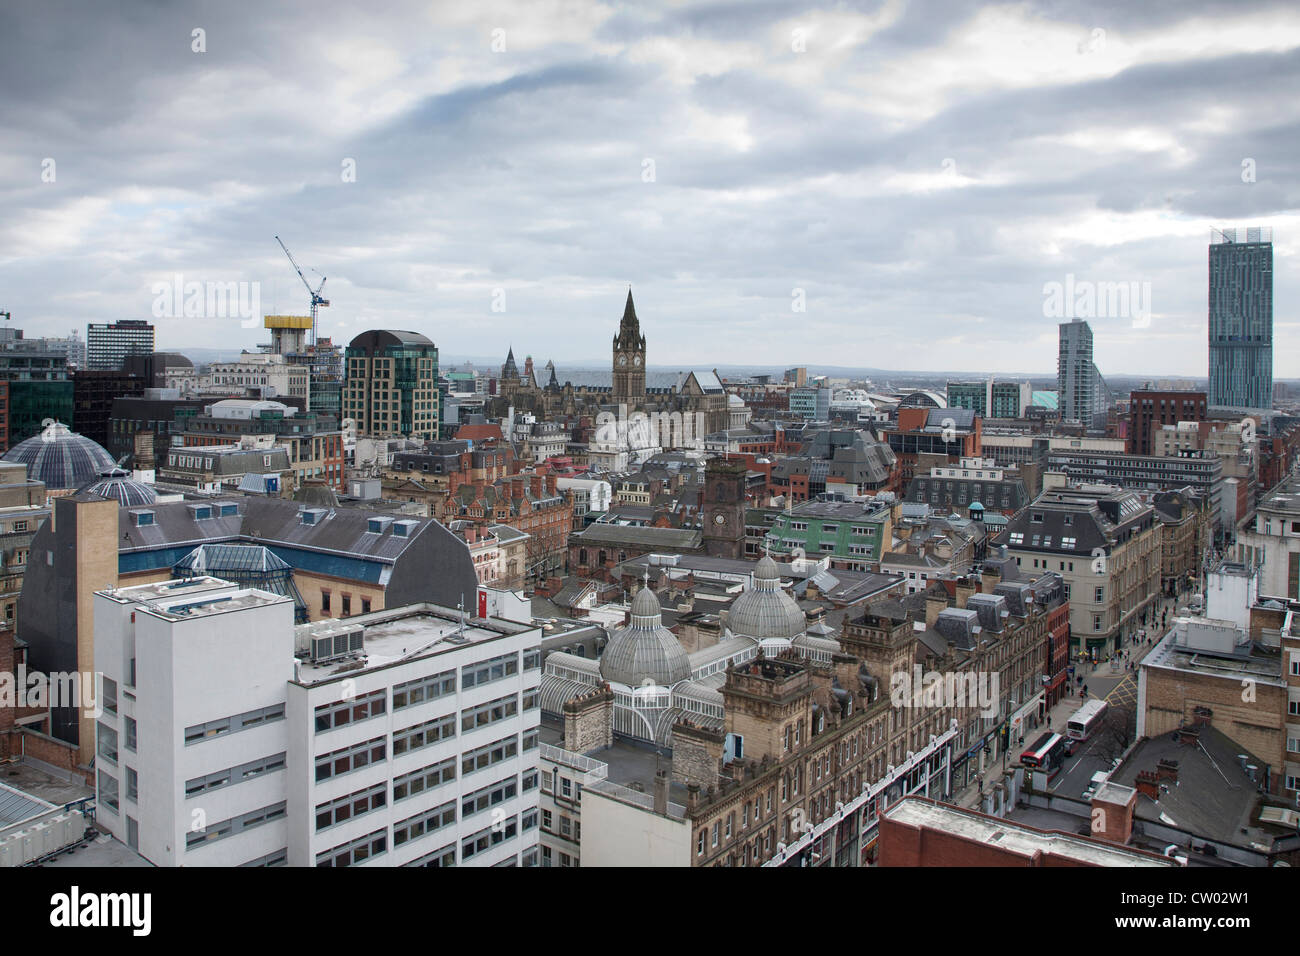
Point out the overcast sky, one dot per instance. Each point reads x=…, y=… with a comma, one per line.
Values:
x=919, y=170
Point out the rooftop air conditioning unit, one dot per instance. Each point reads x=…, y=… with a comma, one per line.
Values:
x=330, y=647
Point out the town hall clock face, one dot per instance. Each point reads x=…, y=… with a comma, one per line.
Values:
x=622, y=360
x=637, y=361
x=719, y=518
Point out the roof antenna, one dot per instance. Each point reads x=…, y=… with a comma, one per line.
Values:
x=461, y=629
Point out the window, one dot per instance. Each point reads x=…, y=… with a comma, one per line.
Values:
x=132, y=785
x=489, y=755
x=232, y=775
x=342, y=809
x=475, y=675
x=424, y=735
x=107, y=790
x=485, y=839
x=344, y=712
x=490, y=713
x=108, y=695
x=345, y=760
x=428, y=688
x=129, y=723
x=488, y=797
x=107, y=742
x=356, y=851
x=438, y=858
x=324, y=600
x=426, y=778
x=219, y=831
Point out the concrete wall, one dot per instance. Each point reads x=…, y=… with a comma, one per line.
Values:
x=618, y=834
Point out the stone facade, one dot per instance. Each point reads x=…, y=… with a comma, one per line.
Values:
x=589, y=721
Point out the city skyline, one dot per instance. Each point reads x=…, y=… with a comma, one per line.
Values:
x=721, y=159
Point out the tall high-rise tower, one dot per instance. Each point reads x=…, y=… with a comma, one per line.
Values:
x=629, y=358
x=1075, y=373
x=1241, y=317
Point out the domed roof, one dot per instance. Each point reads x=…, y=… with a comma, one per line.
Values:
x=645, y=651
x=60, y=457
x=116, y=483
x=764, y=611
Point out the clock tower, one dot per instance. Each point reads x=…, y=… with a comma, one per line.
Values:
x=722, y=506
x=629, y=359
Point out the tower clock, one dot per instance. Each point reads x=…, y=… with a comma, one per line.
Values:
x=722, y=506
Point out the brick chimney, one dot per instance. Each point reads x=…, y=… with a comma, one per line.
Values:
x=1113, y=808
x=552, y=484
x=934, y=604
x=535, y=485
x=661, y=792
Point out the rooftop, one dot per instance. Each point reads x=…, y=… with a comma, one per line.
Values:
x=418, y=630
x=1016, y=838
x=188, y=598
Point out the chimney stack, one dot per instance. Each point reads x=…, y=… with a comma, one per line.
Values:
x=661, y=792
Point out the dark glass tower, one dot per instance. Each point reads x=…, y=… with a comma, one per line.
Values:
x=1241, y=318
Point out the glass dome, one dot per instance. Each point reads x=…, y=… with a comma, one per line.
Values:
x=116, y=483
x=645, y=651
x=60, y=457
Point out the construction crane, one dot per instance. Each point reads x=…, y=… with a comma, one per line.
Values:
x=316, y=299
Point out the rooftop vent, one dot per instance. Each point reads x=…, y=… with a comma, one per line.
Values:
x=332, y=647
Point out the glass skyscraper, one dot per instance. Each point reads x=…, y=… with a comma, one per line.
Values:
x=1241, y=318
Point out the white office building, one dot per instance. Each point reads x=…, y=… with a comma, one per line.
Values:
x=232, y=737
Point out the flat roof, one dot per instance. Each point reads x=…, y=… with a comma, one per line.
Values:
x=392, y=636
x=1017, y=838
x=1172, y=656
x=187, y=598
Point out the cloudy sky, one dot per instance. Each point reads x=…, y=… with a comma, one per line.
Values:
x=911, y=174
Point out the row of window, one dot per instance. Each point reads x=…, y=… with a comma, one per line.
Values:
x=230, y=725
x=424, y=734
x=423, y=690
x=231, y=775
x=345, y=760
x=488, y=797
x=490, y=713
x=247, y=821
x=344, y=712
x=427, y=821
x=356, y=804
x=498, y=668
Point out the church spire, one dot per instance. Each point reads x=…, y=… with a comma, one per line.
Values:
x=629, y=329
x=629, y=314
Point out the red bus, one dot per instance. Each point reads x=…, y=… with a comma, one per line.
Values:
x=1046, y=753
